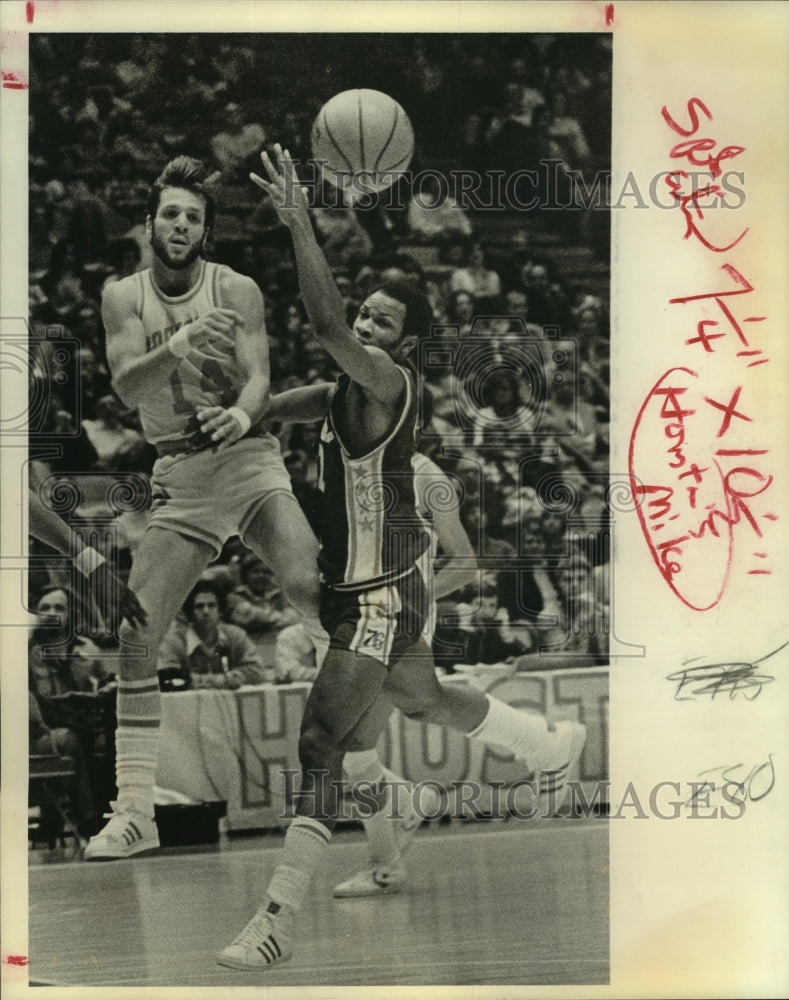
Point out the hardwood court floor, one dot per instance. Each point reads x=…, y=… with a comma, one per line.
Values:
x=487, y=903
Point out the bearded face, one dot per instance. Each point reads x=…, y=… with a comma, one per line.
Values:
x=178, y=231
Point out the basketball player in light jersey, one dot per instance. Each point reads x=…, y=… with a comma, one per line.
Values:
x=187, y=346
x=373, y=599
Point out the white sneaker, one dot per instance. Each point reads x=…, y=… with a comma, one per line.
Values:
x=258, y=946
x=429, y=801
x=127, y=833
x=562, y=749
x=379, y=880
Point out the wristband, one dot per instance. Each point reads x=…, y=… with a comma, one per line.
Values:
x=241, y=416
x=88, y=560
x=179, y=344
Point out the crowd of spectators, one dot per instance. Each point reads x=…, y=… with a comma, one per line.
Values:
x=522, y=427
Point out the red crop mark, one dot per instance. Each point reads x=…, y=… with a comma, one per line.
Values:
x=15, y=960
x=609, y=14
x=13, y=81
x=30, y=11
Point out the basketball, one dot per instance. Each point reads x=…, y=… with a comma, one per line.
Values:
x=362, y=132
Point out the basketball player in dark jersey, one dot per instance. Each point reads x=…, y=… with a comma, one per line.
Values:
x=373, y=599
x=187, y=346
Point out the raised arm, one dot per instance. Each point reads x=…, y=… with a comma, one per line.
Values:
x=370, y=367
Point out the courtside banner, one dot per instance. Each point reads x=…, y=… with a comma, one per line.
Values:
x=242, y=747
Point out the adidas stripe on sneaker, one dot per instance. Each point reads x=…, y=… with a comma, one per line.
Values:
x=259, y=945
x=126, y=834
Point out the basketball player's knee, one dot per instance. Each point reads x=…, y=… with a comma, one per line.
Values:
x=302, y=589
x=139, y=647
x=427, y=708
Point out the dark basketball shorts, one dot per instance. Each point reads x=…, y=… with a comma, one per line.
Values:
x=383, y=623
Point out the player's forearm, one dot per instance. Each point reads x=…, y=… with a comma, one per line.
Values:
x=304, y=405
x=46, y=526
x=135, y=380
x=451, y=578
x=255, y=397
x=321, y=297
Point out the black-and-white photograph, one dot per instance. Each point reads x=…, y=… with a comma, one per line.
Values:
x=393, y=496
x=318, y=508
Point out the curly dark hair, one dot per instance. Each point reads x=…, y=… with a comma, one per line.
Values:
x=206, y=587
x=188, y=173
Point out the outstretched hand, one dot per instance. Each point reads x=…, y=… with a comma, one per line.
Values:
x=282, y=186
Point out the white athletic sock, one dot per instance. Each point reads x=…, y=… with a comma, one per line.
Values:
x=137, y=743
x=522, y=733
x=305, y=843
x=365, y=766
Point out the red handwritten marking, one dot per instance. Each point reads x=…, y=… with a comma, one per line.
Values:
x=735, y=276
x=696, y=559
x=687, y=487
x=609, y=14
x=729, y=411
x=693, y=103
x=30, y=11
x=689, y=203
x=760, y=572
x=15, y=960
x=13, y=81
x=742, y=451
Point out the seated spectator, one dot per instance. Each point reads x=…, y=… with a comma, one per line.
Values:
x=61, y=662
x=516, y=139
x=63, y=283
x=547, y=300
x=238, y=145
x=566, y=136
x=484, y=630
x=71, y=700
x=107, y=433
x=461, y=310
x=433, y=216
x=294, y=656
x=505, y=417
x=342, y=235
x=64, y=742
x=475, y=276
x=205, y=652
x=257, y=604
x=579, y=605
